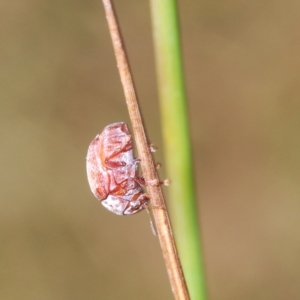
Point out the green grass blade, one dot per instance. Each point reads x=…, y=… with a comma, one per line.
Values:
x=177, y=144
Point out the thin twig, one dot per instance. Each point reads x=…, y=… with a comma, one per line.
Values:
x=164, y=231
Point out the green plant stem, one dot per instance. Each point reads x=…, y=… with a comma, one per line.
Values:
x=177, y=144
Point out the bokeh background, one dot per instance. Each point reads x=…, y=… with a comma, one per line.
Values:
x=59, y=87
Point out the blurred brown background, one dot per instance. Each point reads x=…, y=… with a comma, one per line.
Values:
x=60, y=87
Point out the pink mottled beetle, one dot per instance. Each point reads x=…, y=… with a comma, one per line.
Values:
x=112, y=171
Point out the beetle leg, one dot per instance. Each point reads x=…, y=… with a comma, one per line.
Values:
x=165, y=182
x=152, y=147
x=140, y=180
x=117, y=188
x=111, y=161
x=126, y=207
x=136, y=203
x=156, y=182
x=124, y=147
x=114, y=164
x=157, y=165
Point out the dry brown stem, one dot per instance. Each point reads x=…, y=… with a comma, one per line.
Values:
x=160, y=213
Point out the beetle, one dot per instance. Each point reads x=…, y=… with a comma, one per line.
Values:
x=112, y=171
